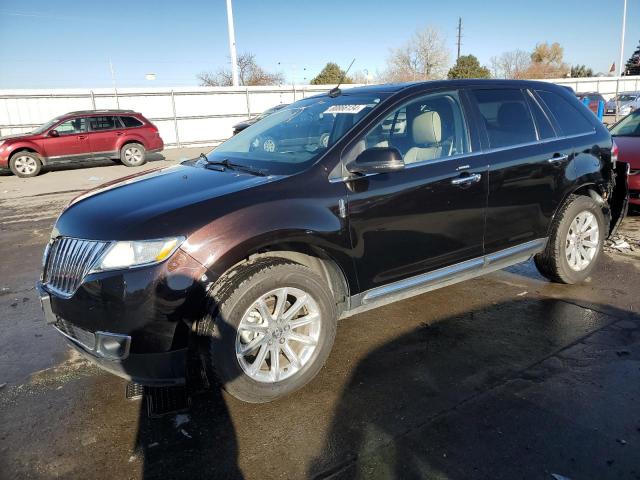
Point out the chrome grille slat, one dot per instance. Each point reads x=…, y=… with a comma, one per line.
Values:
x=69, y=261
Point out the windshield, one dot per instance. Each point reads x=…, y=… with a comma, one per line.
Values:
x=626, y=98
x=291, y=139
x=628, y=127
x=46, y=126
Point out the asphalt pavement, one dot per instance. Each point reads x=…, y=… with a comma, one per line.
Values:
x=504, y=376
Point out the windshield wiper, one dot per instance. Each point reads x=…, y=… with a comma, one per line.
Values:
x=234, y=166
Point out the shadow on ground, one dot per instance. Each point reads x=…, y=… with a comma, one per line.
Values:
x=517, y=389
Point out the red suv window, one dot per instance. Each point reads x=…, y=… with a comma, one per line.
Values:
x=103, y=123
x=130, y=122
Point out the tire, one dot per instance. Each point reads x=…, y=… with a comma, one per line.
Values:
x=133, y=155
x=25, y=164
x=232, y=310
x=572, y=250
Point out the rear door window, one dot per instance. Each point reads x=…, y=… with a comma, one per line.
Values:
x=543, y=125
x=569, y=118
x=506, y=116
x=130, y=122
x=103, y=123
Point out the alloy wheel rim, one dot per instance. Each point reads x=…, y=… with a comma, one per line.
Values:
x=278, y=335
x=133, y=155
x=582, y=241
x=25, y=165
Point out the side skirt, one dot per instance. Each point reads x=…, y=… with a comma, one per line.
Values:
x=459, y=272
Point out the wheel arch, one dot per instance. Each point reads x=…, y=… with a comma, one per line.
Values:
x=309, y=255
x=130, y=139
x=598, y=192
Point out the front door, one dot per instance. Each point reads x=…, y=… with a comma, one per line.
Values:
x=431, y=213
x=69, y=142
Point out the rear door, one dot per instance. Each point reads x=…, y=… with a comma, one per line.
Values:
x=104, y=131
x=71, y=142
x=431, y=213
x=529, y=166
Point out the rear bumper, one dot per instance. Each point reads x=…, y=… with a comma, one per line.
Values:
x=634, y=189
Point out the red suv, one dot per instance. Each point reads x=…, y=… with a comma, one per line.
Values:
x=115, y=134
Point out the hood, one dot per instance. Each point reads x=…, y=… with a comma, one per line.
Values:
x=16, y=136
x=245, y=123
x=165, y=202
x=629, y=150
x=612, y=104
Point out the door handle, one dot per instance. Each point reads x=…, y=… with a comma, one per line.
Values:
x=119, y=133
x=466, y=180
x=558, y=158
x=82, y=137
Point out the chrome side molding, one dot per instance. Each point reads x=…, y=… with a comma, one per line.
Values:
x=442, y=277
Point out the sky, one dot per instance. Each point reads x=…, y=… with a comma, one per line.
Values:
x=68, y=44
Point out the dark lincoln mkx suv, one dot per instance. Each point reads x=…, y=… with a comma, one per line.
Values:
x=251, y=256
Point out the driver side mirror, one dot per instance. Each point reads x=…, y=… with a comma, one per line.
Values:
x=377, y=160
x=53, y=133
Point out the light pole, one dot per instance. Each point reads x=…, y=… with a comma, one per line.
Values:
x=620, y=67
x=232, y=45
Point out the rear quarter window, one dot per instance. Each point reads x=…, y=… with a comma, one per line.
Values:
x=569, y=118
x=130, y=122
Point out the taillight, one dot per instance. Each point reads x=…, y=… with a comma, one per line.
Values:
x=614, y=154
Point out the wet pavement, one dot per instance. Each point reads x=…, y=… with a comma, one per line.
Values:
x=505, y=376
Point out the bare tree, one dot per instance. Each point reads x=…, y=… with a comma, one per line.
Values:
x=546, y=62
x=249, y=73
x=512, y=64
x=424, y=57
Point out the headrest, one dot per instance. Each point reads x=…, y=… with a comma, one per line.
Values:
x=427, y=128
x=511, y=115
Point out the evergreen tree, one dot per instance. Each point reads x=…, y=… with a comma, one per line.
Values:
x=330, y=74
x=633, y=64
x=468, y=66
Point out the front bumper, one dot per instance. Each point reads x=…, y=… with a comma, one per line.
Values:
x=133, y=323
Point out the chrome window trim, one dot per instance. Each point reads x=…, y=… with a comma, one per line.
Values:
x=465, y=155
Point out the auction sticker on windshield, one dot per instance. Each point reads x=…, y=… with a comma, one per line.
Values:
x=345, y=108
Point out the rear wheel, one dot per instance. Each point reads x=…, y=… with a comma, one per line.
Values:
x=133, y=155
x=575, y=243
x=25, y=164
x=269, y=330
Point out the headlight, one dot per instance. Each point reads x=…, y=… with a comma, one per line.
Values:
x=138, y=253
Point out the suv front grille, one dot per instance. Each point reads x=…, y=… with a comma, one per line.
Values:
x=69, y=261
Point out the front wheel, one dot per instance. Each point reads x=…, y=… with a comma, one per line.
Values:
x=269, y=330
x=575, y=243
x=25, y=164
x=133, y=155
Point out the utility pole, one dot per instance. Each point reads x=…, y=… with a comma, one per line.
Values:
x=621, y=67
x=460, y=35
x=232, y=45
x=113, y=81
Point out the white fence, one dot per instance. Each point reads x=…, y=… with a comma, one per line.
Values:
x=607, y=86
x=185, y=116
x=199, y=115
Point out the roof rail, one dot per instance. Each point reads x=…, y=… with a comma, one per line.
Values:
x=100, y=110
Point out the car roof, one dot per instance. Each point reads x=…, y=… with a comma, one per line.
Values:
x=391, y=88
